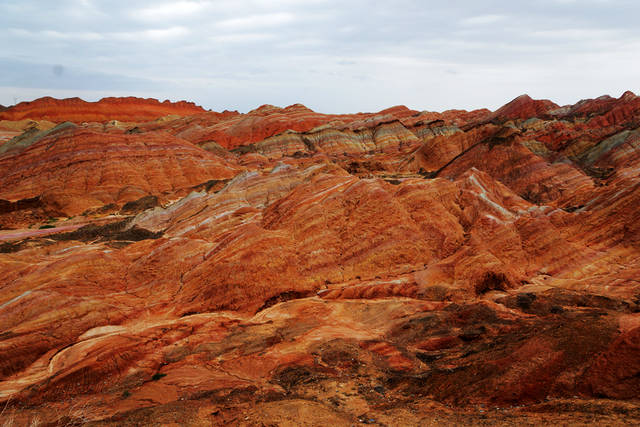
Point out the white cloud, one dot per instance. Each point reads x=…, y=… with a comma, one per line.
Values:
x=482, y=20
x=577, y=33
x=87, y=35
x=168, y=11
x=256, y=21
x=303, y=43
x=151, y=35
x=242, y=38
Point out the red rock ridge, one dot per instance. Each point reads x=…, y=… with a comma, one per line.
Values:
x=128, y=109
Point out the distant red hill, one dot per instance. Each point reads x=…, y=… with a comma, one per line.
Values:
x=129, y=109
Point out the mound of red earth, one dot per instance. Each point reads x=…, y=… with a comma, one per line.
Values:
x=129, y=109
x=286, y=267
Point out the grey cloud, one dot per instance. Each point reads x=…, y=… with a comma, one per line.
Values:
x=331, y=55
x=57, y=76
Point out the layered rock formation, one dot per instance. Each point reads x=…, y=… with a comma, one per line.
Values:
x=396, y=268
x=128, y=109
x=231, y=130
x=71, y=170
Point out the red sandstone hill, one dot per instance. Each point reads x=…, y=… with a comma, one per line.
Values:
x=129, y=109
x=267, y=121
x=287, y=267
x=524, y=107
x=71, y=170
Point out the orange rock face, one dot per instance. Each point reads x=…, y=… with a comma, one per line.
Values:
x=399, y=268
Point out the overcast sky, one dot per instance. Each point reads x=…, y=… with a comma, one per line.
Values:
x=332, y=55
